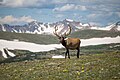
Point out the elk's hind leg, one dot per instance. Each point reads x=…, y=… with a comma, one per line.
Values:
x=68, y=54
x=78, y=52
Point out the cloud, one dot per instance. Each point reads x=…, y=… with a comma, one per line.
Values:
x=99, y=15
x=65, y=7
x=92, y=15
x=59, y=1
x=68, y=4
x=25, y=19
x=95, y=23
x=95, y=15
x=101, y=7
x=118, y=14
x=11, y=19
x=59, y=15
x=68, y=7
x=102, y=11
x=22, y=3
x=103, y=18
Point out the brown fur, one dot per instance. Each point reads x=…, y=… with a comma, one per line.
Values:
x=72, y=43
x=69, y=43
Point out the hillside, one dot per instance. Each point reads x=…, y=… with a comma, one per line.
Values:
x=88, y=67
x=49, y=39
x=86, y=34
x=100, y=62
x=35, y=38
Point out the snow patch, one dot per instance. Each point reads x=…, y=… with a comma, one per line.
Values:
x=58, y=56
x=28, y=46
x=118, y=28
x=70, y=20
x=3, y=28
x=3, y=53
x=85, y=25
x=21, y=45
x=94, y=28
x=98, y=41
x=10, y=53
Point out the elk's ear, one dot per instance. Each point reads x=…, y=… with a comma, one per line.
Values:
x=65, y=37
x=59, y=37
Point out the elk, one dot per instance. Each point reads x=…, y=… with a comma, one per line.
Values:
x=68, y=43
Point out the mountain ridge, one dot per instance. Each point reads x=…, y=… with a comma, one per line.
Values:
x=47, y=28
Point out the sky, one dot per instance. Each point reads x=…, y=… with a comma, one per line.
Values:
x=95, y=12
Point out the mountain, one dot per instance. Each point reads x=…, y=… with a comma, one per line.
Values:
x=112, y=27
x=76, y=25
x=43, y=28
x=32, y=27
x=115, y=26
x=46, y=28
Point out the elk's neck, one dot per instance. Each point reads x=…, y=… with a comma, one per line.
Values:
x=63, y=42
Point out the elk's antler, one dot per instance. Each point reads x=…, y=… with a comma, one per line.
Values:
x=68, y=32
x=56, y=28
x=65, y=34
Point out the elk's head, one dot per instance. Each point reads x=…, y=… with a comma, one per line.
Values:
x=61, y=37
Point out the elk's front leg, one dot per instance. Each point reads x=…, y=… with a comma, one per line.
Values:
x=67, y=51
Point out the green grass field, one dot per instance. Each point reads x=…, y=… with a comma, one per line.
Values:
x=104, y=66
x=101, y=62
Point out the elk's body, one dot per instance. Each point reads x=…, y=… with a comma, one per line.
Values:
x=69, y=43
x=72, y=43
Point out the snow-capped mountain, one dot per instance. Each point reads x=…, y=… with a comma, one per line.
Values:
x=43, y=28
x=76, y=25
x=32, y=27
x=113, y=27
x=46, y=28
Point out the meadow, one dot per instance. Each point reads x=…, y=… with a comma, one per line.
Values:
x=104, y=66
x=100, y=62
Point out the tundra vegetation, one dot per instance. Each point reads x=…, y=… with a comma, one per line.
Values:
x=100, y=62
x=96, y=62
